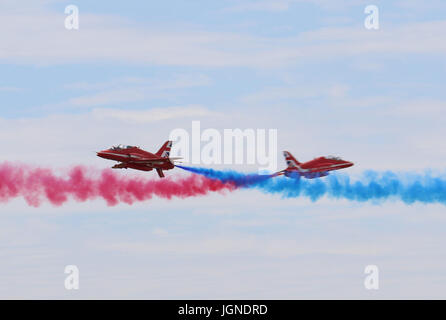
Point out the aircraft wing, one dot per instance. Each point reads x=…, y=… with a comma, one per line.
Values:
x=153, y=161
x=149, y=161
x=279, y=173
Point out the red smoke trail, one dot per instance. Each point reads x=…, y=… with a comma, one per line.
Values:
x=37, y=184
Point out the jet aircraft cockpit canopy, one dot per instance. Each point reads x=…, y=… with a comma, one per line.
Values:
x=333, y=158
x=121, y=147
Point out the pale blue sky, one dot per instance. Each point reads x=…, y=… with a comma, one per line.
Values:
x=307, y=68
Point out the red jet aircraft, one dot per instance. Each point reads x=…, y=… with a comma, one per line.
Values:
x=315, y=168
x=135, y=158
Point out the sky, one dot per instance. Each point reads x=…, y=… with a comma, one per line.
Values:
x=135, y=71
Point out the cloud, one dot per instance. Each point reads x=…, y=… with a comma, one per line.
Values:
x=419, y=108
x=178, y=81
x=132, y=89
x=284, y=5
x=152, y=115
x=297, y=92
x=271, y=6
x=42, y=39
x=160, y=232
x=420, y=6
x=284, y=246
x=109, y=97
x=10, y=89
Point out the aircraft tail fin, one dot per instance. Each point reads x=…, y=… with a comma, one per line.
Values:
x=164, y=151
x=160, y=172
x=290, y=160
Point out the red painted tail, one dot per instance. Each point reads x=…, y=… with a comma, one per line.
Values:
x=164, y=152
x=290, y=160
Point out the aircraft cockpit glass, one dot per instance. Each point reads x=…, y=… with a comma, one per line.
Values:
x=121, y=147
x=333, y=158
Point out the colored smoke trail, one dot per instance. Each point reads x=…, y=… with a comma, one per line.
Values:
x=81, y=184
x=371, y=186
x=234, y=177
x=37, y=185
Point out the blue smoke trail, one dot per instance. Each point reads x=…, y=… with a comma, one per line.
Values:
x=237, y=178
x=372, y=186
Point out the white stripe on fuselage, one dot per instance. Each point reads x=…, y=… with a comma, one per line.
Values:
x=300, y=169
x=124, y=156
